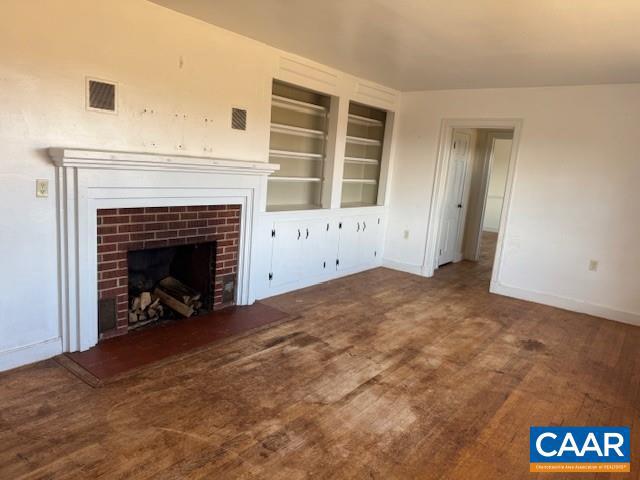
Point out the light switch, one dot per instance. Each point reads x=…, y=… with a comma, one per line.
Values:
x=42, y=188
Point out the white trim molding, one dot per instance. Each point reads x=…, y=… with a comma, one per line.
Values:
x=73, y=157
x=567, y=303
x=89, y=180
x=402, y=267
x=34, y=352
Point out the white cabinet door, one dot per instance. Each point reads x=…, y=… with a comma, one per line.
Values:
x=318, y=251
x=305, y=251
x=348, y=249
x=368, y=243
x=286, y=255
x=359, y=241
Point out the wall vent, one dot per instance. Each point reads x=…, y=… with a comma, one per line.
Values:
x=238, y=119
x=101, y=95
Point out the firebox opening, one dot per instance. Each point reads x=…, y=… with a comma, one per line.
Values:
x=170, y=282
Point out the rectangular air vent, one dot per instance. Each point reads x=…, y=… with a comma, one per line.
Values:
x=101, y=95
x=238, y=119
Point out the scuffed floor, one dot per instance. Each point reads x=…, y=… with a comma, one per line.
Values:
x=382, y=375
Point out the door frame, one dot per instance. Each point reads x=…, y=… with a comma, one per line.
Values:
x=486, y=179
x=430, y=262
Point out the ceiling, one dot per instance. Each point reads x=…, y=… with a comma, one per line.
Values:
x=437, y=44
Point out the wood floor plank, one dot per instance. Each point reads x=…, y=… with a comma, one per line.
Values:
x=378, y=375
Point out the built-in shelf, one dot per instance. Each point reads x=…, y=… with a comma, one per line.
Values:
x=295, y=179
x=360, y=120
x=367, y=161
x=297, y=105
x=284, y=208
x=298, y=144
x=293, y=130
x=363, y=141
x=363, y=156
x=298, y=155
x=366, y=181
x=357, y=204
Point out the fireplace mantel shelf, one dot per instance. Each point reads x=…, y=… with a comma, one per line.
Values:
x=115, y=160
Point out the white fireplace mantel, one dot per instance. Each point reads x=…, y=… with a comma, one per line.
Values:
x=88, y=180
x=73, y=157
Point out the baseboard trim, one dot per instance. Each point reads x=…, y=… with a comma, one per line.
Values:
x=402, y=267
x=34, y=352
x=567, y=303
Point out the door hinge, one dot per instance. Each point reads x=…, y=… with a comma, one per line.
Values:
x=454, y=145
x=273, y=233
x=270, y=276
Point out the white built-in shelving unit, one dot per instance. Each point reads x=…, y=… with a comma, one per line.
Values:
x=363, y=155
x=325, y=210
x=298, y=143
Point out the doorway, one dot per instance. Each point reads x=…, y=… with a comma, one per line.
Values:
x=471, y=194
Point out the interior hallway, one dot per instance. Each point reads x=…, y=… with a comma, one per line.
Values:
x=377, y=375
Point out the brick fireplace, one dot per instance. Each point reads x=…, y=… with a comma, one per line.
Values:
x=95, y=185
x=124, y=230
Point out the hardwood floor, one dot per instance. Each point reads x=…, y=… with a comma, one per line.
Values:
x=378, y=375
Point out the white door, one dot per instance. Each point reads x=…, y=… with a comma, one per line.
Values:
x=452, y=209
x=318, y=251
x=349, y=243
x=499, y=161
x=286, y=264
x=368, y=244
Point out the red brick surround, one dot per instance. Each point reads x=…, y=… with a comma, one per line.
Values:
x=124, y=229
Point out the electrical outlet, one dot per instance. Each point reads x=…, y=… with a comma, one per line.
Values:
x=405, y=234
x=42, y=188
x=593, y=265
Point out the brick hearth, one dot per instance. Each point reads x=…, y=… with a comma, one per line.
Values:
x=123, y=229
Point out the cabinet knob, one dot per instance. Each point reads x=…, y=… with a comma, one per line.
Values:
x=364, y=226
x=299, y=234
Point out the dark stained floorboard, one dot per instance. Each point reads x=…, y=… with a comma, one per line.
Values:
x=382, y=375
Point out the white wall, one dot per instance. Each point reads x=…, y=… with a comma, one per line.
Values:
x=497, y=182
x=575, y=197
x=173, y=73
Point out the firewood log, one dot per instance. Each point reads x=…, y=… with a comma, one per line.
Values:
x=145, y=300
x=173, y=303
